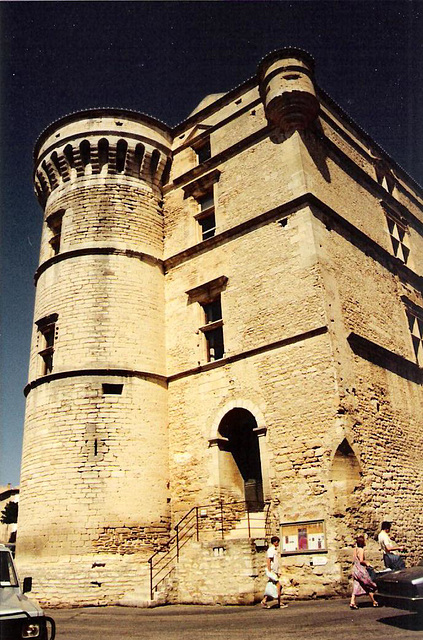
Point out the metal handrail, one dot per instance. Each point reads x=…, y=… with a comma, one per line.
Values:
x=190, y=525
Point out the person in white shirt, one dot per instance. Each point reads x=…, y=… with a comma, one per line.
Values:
x=388, y=547
x=273, y=588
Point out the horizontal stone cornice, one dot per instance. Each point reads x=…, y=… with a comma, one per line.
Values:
x=364, y=242
x=78, y=373
x=96, y=251
x=278, y=344
x=320, y=210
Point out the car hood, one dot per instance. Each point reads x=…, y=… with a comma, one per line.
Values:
x=14, y=604
x=413, y=575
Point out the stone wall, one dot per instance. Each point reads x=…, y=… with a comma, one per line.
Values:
x=317, y=347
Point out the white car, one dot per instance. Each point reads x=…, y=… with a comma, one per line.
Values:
x=19, y=616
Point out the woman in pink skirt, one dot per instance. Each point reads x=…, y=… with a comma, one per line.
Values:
x=362, y=583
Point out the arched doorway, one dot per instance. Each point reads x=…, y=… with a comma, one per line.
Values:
x=240, y=464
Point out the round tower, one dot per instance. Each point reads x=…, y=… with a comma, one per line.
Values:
x=287, y=89
x=95, y=458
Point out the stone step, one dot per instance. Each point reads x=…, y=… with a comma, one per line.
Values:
x=141, y=598
x=256, y=528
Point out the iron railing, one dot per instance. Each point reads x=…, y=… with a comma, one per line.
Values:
x=213, y=520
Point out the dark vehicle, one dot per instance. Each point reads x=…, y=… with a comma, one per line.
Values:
x=401, y=589
x=20, y=617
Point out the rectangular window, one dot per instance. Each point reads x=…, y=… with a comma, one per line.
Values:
x=203, y=151
x=112, y=389
x=399, y=239
x=47, y=330
x=303, y=537
x=213, y=329
x=208, y=226
x=206, y=218
x=54, y=223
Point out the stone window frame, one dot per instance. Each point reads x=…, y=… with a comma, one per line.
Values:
x=54, y=223
x=211, y=328
x=201, y=190
x=202, y=149
x=47, y=334
x=206, y=218
x=414, y=315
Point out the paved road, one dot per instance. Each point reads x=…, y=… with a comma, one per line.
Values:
x=312, y=620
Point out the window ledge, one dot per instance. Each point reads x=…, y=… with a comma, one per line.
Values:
x=212, y=325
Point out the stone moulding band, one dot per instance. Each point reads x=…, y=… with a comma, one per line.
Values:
x=96, y=251
x=78, y=373
x=251, y=352
x=183, y=374
x=319, y=209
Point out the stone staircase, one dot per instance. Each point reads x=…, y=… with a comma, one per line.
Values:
x=212, y=541
x=251, y=525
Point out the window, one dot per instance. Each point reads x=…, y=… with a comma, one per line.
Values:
x=213, y=329
x=202, y=190
x=399, y=239
x=208, y=297
x=112, y=389
x=415, y=323
x=54, y=223
x=203, y=151
x=206, y=217
x=47, y=330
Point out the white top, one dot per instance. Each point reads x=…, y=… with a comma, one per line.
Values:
x=273, y=554
x=385, y=542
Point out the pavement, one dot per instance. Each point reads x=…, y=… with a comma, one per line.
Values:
x=302, y=620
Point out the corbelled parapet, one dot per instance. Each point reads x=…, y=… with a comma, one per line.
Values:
x=287, y=89
x=102, y=142
x=97, y=389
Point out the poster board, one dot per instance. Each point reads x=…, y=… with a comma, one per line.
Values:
x=303, y=537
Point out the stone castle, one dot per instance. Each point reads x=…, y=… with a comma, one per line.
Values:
x=228, y=324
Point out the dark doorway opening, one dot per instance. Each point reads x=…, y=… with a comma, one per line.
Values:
x=238, y=427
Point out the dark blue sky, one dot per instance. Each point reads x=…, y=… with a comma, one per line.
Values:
x=162, y=58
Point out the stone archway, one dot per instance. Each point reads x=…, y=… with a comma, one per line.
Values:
x=240, y=465
x=345, y=476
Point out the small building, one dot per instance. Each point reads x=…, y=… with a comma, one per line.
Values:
x=228, y=332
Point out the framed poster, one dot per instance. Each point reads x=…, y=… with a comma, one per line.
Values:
x=303, y=537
